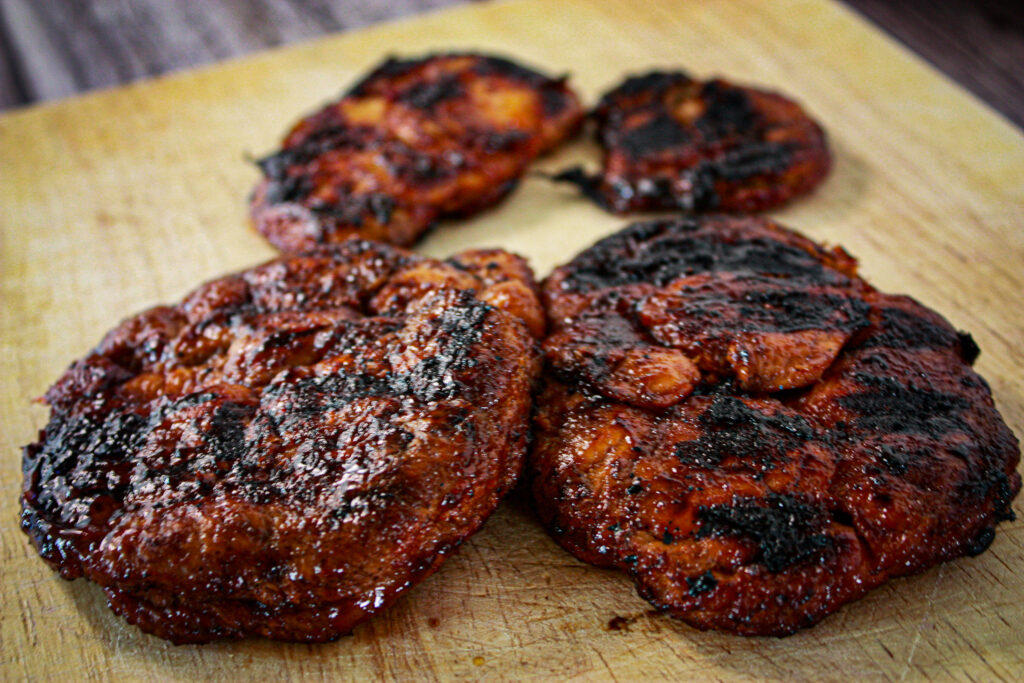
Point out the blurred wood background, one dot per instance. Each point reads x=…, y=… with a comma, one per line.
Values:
x=55, y=48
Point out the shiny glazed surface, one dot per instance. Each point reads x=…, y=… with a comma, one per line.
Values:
x=672, y=142
x=291, y=447
x=751, y=431
x=413, y=142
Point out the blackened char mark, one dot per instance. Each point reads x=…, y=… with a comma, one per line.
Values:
x=84, y=455
x=969, y=349
x=381, y=206
x=499, y=66
x=283, y=186
x=355, y=209
x=661, y=133
x=315, y=142
x=901, y=329
x=991, y=483
x=459, y=328
x=981, y=542
x=659, y=252
x=728, y=111
x=290, y=178
x=553, y=98
x=896, y=460
x=598, y=342
x=290, y=401
x=752, y=160
x=390, y=68
x=785, y=530
x=219, y=443
x=226, y=438
x=484, y=65
x=700, y=197
x=788, y=310
x=289, y=181
x=672, y=143
x=732, y=429
x=75, y=477
x=461, y=325
x=887, y=405
x=653, y=84
x=426, y=95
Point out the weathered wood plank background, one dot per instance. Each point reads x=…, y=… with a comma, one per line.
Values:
x=55, y=48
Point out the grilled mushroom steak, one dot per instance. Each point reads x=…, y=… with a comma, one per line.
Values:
x=415, y=141
x=752, y=432
x=671, y=142
x=292, y=447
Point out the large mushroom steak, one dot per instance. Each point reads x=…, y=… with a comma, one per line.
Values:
x=415, y=141
x=292, y=447
x=751, y=431
x=673, y=142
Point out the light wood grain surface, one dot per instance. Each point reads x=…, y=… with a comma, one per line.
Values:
x=116, y=201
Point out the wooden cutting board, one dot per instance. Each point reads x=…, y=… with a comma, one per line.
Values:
x=116, y=201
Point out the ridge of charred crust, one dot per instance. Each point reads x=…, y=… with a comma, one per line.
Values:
x=291, y=447
x=832, y=438
x=660, y=251
x=785, y=530
x=732, y=429
x=485, y=65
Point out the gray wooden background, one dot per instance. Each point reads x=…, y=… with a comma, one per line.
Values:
x=55, y=48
